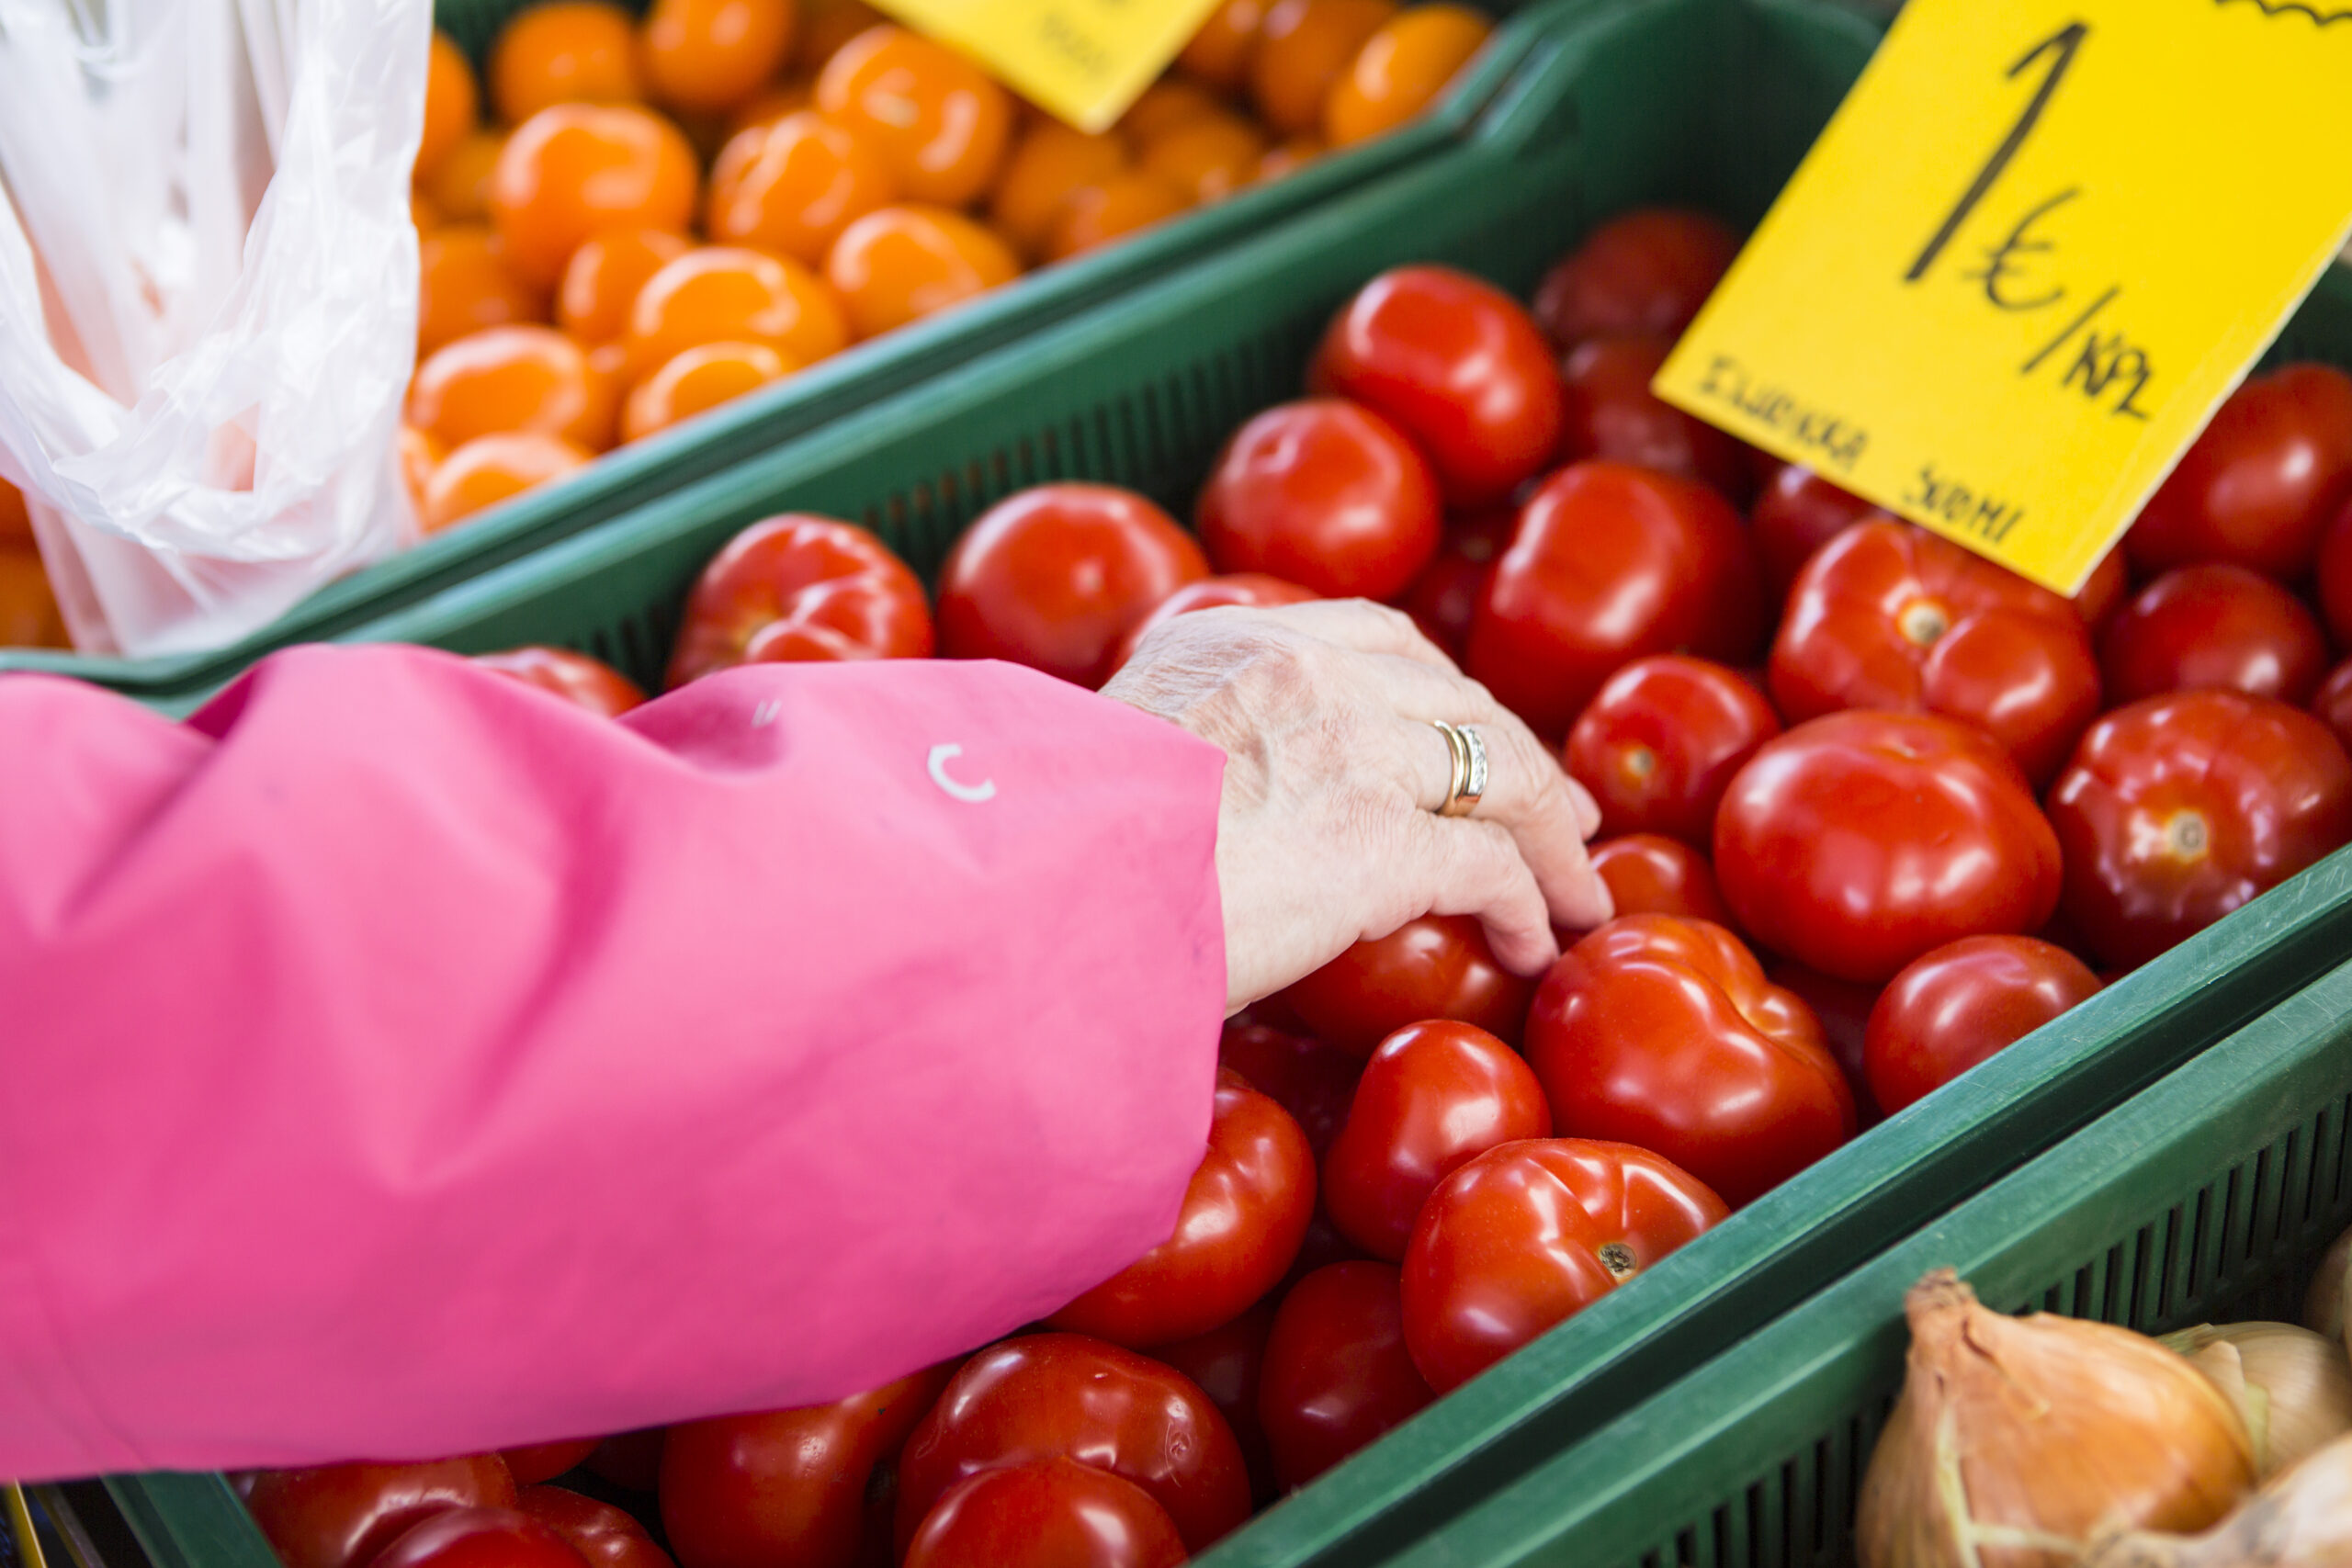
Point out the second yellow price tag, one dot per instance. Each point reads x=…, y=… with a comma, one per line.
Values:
x=1083, y=60
x=2037, y=245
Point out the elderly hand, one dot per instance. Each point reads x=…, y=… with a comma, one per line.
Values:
x=1328, y=833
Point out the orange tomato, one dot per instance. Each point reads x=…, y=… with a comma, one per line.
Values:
x=826, y=24
x=1304, y=47
x=1120, y=205
x=1289, y=157
x=510, y=379
x=564, y=51
x=421, y=216
x=1206, y=159
x=458, y=186
x=702, y=377
x=1400, y=68
x=463, y=286
x=601, y=280
x=15, y=519
x=452, y=103
x=1219, y=53
x=772, y=103
x=730, y=294
x=938, y=121
x=29, y=615
x=420, y=453
x=907, y=262
x=1050, y=162
x=572, y=171
x=492, y=469
x=795, y=186
x=707, y=56
x=1168, y=103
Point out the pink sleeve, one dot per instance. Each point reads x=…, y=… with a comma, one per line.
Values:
x=396, y=1062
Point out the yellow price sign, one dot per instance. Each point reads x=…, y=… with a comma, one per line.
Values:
x=2038, y=243
x=1081, y=61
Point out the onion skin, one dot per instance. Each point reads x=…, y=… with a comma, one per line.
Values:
x=2303, y=1518
x=2016, y=1440
x=2323, y=1306
x=2292, y=1386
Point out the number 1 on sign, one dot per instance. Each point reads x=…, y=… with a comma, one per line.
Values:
x=2065, y=40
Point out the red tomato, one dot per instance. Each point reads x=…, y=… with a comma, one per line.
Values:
x=2335, y=576
x=1432, y=1096
x=2260, y=483
x=1055, y=577
x=631, y=1461
x=478, y=1538
x=1951, y=1008
x=1890, y=617
x=545, y=1462
x=2103, y=592
x=1648, y=873
x=2332, y=703
x=607, y=1537
x=1856, y=841
x=1228, y=1362
x=785, y=1485
x=2213, y=628
x=797, y=587
x=1437, y=967
x=1066, y=1396
x=1611, y=562
x=1843, y=1010
x=1323, y=493
x=1612, y=413
x=1249, y=589
x=1444, y=597
x=2177, y=809
x=1795, y=514
x=1660, y=741
x=1048, y=1513
x=1244, y=1215
x=586, y=683
x=1338, y=1374
x=1314, y=1082
x=341, y=1516
x=1527, y=1235
x=1459, y=367
x=1663, y=1032
x=1647, y=271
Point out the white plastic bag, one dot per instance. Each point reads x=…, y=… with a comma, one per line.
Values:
x=208, y=300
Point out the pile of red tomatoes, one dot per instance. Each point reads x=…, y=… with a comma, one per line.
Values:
x=1873, y=809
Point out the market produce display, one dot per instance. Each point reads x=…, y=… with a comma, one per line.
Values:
x=1872, y=810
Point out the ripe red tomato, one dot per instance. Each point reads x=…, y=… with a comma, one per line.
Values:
x=2104, y=590
x=797, y=587
x=1444, y=597
x=1249, y=589
x=1951, y=1008
x=341, y=1516
x=2213, y=627
x=631, y=1461
x=1312, y=1080
x=1795, y=514
x=1244, y=1215
x=1323, y=493
x=1437, y=967
x=1856, y=841
x=1890, y=616
x=1458, y=366
x=1228, y=1363
x=545, y=1462
x=586, y=683
x=1648, y=873
x=1660, y=741
x=478, y=1538
x=1663, y=1032
x=2260, y=483
x=607, y=1537
x=1843, y=1010
x=787, y=1485
x=1338, y=1374
x=2332, y=703
x=1612, y=413
x=2335, y=576
x=1527, y=1235
x=1432, y=1096
x=1048, y=1513
x=1611, y=562
x=2177, y=809
x=1066, y=1396
x=1647, y=271
x=1055, y=577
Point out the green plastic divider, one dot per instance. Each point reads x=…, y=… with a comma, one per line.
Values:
x=629, y=478
x=2208, y=1198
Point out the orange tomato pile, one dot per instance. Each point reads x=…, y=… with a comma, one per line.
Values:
x=586, y=281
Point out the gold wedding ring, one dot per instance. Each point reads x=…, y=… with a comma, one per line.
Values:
x=1469, y=782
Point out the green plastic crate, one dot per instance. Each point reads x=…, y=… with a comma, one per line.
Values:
x=631, y=477
x=2206, y=1199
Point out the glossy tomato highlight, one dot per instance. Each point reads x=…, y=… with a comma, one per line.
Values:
x=1324, y=494
x=1612, y=413
x=2213, y=627
x=1649, y=873
x=607, y=1537
x=800, y=587
x=1336, y=1374
x=1436, y=967
x=480, y=1537
x=2260, y=483
x=341, y=1516
x=1646, y=271
x=1659, y=742
x=1047, y=1513
x=1951, y=1008
x=1249, y=590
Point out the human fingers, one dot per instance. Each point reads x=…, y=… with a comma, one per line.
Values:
x=1421, y=692
x=1363, y=626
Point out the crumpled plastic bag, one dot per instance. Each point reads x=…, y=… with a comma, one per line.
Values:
x=208, y=301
